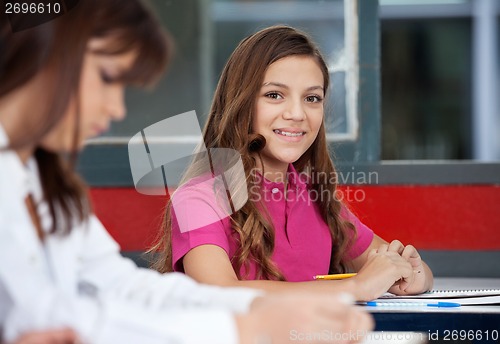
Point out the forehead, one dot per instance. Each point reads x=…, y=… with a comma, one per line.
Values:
x=99, y=47
x=295, y=68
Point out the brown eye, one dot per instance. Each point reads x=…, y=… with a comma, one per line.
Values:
x=314, y=99
x=274, y=95
x=106, y=78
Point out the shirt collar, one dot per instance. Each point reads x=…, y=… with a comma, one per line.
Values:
x=295, y=180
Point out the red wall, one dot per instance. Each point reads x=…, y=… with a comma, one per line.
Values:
x=429, y=217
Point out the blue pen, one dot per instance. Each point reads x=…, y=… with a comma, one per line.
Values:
x=412, y=304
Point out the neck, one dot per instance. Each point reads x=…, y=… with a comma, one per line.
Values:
x=25, y=153
x=273, y=172
x=11, y=109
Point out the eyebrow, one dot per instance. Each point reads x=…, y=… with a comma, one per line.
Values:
x=278, y=84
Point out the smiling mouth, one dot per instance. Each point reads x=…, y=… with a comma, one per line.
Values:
x=289, y=134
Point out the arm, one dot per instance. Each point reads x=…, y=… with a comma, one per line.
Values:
x=269, y=319
x=108, y=314
x=210, y=264
x=103, y=267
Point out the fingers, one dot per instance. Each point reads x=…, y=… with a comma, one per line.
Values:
x=407, y=276
x=335, y=305
x=291, y=316
x=356, y=324
x=400, y=269
x=410, y=252
x=359, y=323
x=350, y=329
x=60, y=336
x=404, y=284
x=396, y=246
x=383, y=248
x=349, y=324
x=403, y=267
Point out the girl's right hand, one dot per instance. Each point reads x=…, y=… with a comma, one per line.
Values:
x=381, y=271
x=291, y=317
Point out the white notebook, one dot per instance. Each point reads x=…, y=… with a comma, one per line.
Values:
x=464, y=297
x=447, y=294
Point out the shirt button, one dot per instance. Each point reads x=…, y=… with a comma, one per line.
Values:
x=275, y=190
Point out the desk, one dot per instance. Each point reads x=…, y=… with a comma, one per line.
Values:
x=480, y=323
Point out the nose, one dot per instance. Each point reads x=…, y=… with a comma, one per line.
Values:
x=115, y=106
x=295, y=110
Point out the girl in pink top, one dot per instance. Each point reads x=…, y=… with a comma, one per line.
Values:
x=269, y=107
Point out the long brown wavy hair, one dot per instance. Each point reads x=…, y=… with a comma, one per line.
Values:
x=56, y=50
x=229, y=125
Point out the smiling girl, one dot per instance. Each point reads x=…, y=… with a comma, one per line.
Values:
x=269, y=106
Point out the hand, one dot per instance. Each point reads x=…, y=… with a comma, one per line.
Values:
x=62, y=336
x=288, y=317
x=417, y=284
x=382, y=270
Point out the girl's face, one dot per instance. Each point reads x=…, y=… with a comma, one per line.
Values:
x=289, y=110
x=100, y=97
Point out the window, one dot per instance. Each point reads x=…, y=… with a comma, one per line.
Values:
x=426, y=89
x=207, y=31
x=440, y=81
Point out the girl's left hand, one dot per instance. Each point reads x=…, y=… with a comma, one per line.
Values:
x=413, y=285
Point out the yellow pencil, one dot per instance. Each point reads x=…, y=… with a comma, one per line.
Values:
x=333, y=277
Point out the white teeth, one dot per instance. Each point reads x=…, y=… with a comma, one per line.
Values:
x=286, y=133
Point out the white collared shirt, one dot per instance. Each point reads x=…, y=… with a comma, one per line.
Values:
x=91, y=288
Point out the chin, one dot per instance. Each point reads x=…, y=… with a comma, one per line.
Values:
x=63, y=148
x=289, y=159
